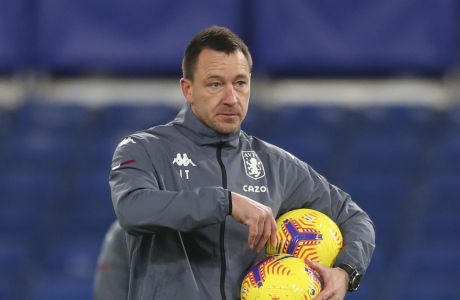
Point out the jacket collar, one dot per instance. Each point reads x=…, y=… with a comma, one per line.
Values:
x=199, y=132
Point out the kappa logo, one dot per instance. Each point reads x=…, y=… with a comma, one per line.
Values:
x=182, y=160
x=253, y=165
x=126, y=141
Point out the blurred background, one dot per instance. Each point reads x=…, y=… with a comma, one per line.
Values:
x=367, y=92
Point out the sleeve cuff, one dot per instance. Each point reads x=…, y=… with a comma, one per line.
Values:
x=230, y=203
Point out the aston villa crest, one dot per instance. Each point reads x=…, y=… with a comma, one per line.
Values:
x=253, y=165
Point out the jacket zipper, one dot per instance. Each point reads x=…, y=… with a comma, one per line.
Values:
x=222, y=227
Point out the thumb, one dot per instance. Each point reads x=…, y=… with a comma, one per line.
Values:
x=316, y=266
x=321, y=271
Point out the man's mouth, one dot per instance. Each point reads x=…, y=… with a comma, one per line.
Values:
x=228, y=114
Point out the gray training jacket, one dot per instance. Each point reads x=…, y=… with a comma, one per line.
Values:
x=171, y=191
x=111, y=277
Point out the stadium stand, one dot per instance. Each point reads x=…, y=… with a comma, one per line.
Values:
x=56, y=200
x=85, y=36
x=15, y=39
x=323, y=37
x=399, y=161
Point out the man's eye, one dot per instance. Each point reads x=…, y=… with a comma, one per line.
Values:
x=241, y=83
x=215, y=84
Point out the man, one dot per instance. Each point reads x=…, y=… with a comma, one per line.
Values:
x=112, y=273
x=198, y=196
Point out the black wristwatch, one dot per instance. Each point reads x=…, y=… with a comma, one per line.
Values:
x=355, y=277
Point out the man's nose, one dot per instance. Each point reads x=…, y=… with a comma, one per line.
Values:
x=230, y=96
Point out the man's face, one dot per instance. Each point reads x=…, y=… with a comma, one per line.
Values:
x=219, y=93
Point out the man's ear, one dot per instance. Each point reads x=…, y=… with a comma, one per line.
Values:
x=186, y=87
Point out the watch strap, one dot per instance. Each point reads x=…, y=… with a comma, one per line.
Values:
x=354, y=276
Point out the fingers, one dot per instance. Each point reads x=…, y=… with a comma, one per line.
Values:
x=269, y=232
x=320, y=269
x=260, y=232
x=334, y=285
x=258, y=217
x=328, y=293
x=266, y=233
x=316, y=266
x=253, y=234
x=273, y=233
x=323, y=295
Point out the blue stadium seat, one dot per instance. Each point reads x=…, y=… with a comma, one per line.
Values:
x=257, y=121
x=429, y=264
x=133, y=117
x=375, y=192
x=15, y=17
x=28, y=190
x=440, y=220
x=26, y=226
x=384, y=198
x=296, y=120
x=97, y=152
x=68, y=209
x=87, y=205
x=72, y=255
x=84, y=221
x=445, y=154
x=10, y=286
x=38, y=150
x=442, y=189
x=383, y=155
x=85, y=36
x=15, y=257
x=4, y=121
x=428, y=271
x=431, y=254
x=398, y=120
x=451, y=118
x=48, y=287
x=322, y=37
x=27, y=200
x=65, y=118
x=315, y=149
x=91, y=188
x=441, y=204
x=427, y=289
x=114, y=122
x=363, y=293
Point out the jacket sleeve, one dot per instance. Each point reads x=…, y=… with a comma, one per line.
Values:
x=143, y=206
x=312, y=190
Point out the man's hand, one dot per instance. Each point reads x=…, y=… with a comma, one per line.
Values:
x=335, y=281
x=258, y=217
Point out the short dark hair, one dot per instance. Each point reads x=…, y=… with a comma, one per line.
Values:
x=215, y=38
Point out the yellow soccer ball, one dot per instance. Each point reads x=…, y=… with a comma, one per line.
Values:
x=307, y=234
x=280, y=277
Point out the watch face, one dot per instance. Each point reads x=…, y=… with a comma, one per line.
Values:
x=354, y=282
x=355, y=277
